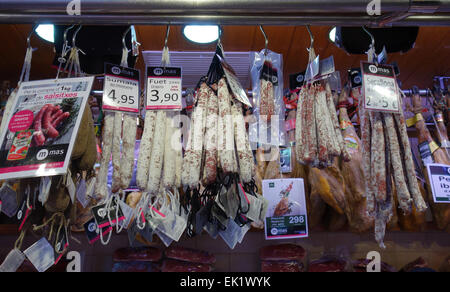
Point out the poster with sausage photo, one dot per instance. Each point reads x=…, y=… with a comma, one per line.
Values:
x=42, y=127
x=286, y=215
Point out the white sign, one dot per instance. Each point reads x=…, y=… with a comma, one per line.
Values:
x=286, y=215
x=121, y=89
x=43, y=126
x=439, y=175
x=164, y=88
x=380, y=88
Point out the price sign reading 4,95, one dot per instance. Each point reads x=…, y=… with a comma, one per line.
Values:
x=164, y=88
x=380, y=88
x=121, y=89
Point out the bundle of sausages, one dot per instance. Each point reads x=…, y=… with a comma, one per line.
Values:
x=218, y=139
x=160, y=155
x=388, y=163
x=48, y=119
x=318, y=136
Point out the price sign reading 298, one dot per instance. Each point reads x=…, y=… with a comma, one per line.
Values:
x=164, y=88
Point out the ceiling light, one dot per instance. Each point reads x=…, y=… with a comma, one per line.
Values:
x=46, y=32
x=202, y=34
x=332, y=35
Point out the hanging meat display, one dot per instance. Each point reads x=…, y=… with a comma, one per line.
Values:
x=441, y=212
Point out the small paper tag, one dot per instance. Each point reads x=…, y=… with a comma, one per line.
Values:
x=44, y=189
x=12, y=262
x=127, y=213
x=93, y=232
x=61, y=246
x=264, y=207
x=71, y=188
x=23, y=213
x=211, y=228
x=165, y=239
x=81, y=193
x=255, y=208
x=133, y=230
x=202, y=216
x=219, y=213
x=8, y=201
x=231, y=235
x=286, y=160
x=243, y=232
x=41, y=255
x=90, y=187
x=146, y=233
x=101, y=216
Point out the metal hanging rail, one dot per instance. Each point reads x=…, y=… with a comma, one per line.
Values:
x=237, y=12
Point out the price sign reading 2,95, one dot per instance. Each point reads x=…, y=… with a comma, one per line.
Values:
x=380, y=88
x=164, y=88
x=121, y=89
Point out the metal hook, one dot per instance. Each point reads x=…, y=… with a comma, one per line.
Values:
x=123, y=38
x=311, y=37
x=266, y=40
x=30, y=34
x=74, y=45
x=167, y=36
x=66, y=31
x=371, y=36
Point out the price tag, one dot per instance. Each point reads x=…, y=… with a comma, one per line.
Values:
x=439, y=175
x=121, y=89
x=286, y=215
x=380, y=88
x=164, y=88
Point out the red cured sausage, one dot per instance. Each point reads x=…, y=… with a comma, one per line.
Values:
x=282, y=252
x=139, y=254
x=279, y=267
x=39, y=137
x=47, y=123
x=184, y=267
x=56, y=123
x=190, y=255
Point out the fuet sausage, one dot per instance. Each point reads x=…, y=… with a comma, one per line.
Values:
x=116, y=153
x=101, y=188
x=169, y=167
x=157, y=159
x=245, y=158
x=145, y=151
x=226, y=130
x=211, y=154
x=128, y=149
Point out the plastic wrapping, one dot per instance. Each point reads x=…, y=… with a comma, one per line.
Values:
x=267, y=73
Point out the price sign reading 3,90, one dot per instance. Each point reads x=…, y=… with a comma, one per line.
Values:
x=380, y=88
x=164, y=88
x=121, y=89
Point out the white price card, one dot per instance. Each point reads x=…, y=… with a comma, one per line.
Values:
x=164, y=88
x=286, y=215
x=121, y=89
x=380, y=88
x=439, y=175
